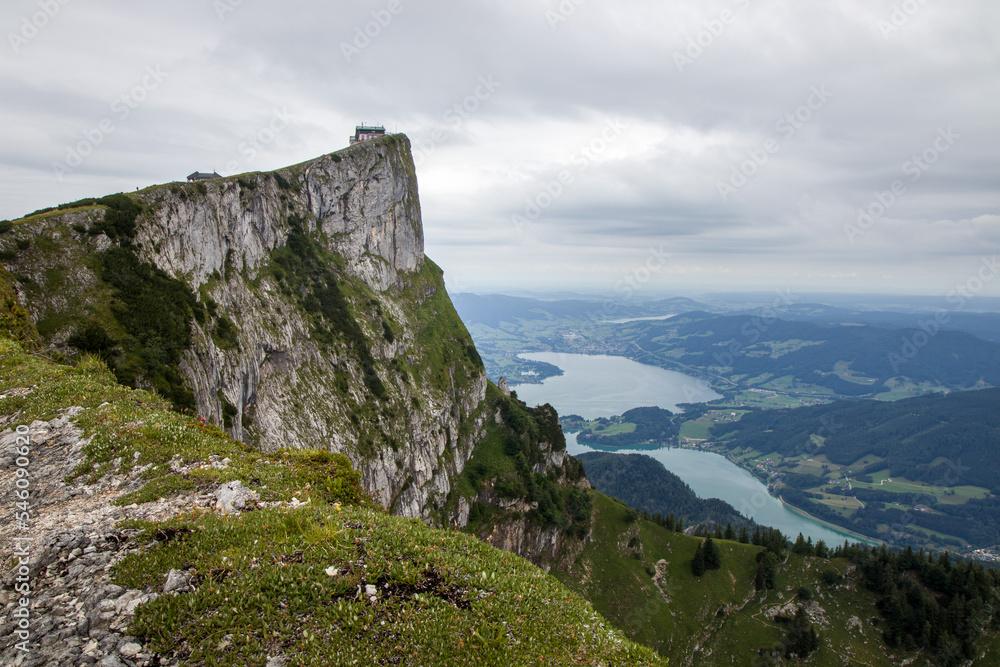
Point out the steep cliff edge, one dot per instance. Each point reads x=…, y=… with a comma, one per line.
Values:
x=521, y=491
x=293, y=308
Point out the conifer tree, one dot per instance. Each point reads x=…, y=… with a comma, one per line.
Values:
x=821, y=550
x=698, y=562
x=711, y=554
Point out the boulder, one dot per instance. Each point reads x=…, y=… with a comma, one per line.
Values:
x=232, y=497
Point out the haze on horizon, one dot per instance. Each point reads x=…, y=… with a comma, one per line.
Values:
x=561, y=144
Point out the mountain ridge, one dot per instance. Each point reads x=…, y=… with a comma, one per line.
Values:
x=314, y=317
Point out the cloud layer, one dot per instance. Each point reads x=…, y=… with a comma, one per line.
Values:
x=559, y=142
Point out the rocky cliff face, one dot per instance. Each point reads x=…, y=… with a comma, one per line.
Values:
x=318, y=322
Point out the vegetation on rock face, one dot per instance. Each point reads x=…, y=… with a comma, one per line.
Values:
x=308, y=274
x=448, y=355
x=119, y=223
x=504, y=462
x=136, y=317
x=155, y=312
x=15, y=321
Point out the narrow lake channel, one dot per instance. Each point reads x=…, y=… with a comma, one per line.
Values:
x=604, y=386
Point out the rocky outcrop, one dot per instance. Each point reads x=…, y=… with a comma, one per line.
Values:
x=815, y=613
x=274, y=383
x=364, y=199
x=77, y=616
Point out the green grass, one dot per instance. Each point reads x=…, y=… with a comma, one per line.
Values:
x=262, y=577
x=716, y=619
x=697, y=429
x=449, y=356
x=615, y=429
x=612, y=428
x=903, y=387
x=443, y=598
x=758, y=400
x=847, y=503
x=960, y=496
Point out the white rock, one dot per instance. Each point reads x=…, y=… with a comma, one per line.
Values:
x=231, y=497
x=177, y=581
x=130, y=649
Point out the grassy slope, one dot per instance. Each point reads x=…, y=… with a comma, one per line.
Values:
x=445, y=598
x=690, y=628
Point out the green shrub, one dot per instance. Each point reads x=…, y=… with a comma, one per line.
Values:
x=15, y=321
x=229, y=413
x=830, y=577
x=224, y=334
x=282, y=181
x=119, y=218
x=93, y=339
x=155, y=311
x=328, y=475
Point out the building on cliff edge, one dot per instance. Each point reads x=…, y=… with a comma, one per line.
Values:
x=367, y=132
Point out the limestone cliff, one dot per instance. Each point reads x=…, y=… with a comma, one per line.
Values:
x=313, y=317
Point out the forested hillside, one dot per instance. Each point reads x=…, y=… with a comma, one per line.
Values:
x=752, y=345
x=643, y=483
x=922, y=438
x=922, y=471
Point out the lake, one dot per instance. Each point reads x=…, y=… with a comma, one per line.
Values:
x=602, y=386
x=629, y=320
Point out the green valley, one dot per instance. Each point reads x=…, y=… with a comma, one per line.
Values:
x=919, y=471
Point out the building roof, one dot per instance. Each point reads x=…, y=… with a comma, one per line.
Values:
x=201, y=176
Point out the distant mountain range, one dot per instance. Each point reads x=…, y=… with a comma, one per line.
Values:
x=493, y=309
x=805, y=352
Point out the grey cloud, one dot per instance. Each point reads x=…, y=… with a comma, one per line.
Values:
x=559, y=83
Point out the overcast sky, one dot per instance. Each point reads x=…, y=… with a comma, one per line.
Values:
x=589, y=145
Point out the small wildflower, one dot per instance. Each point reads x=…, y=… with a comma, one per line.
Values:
x=337, y=507
x=332, y=571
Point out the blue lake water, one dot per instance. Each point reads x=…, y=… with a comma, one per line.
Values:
x=602, y=386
